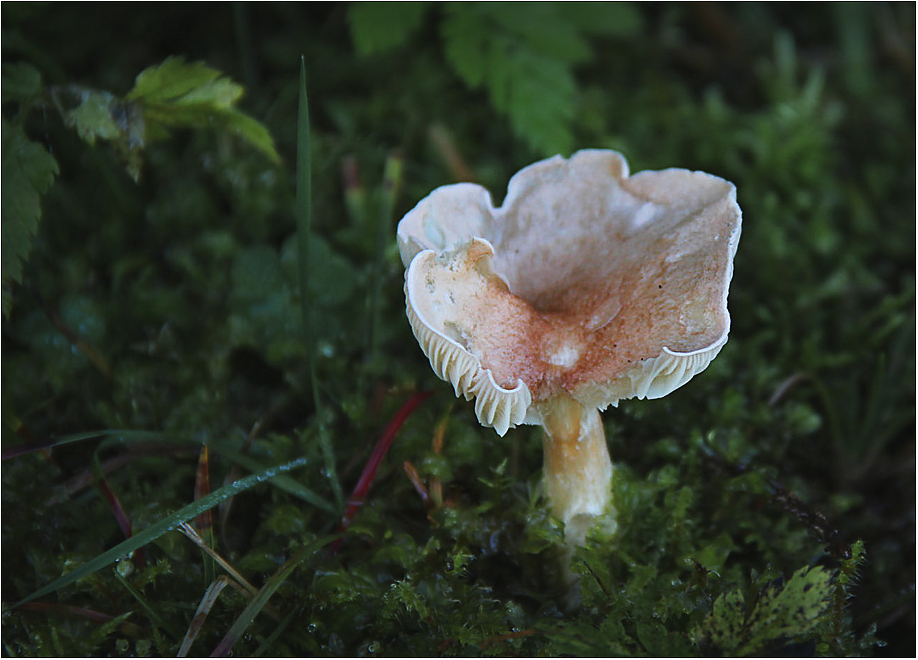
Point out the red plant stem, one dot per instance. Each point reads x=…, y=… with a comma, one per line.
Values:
x=369, y=470
x=123, y=521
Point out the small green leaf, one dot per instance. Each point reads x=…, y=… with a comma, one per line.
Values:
x=714, y=555
x=380, y=26
x=102, y=115
x=93, y=117
x=28, y=172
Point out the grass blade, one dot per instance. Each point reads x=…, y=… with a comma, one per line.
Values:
x=304, y=216
x=192, y=534
x=157, y=529
x=207, y=602
x=57, y=609
x=269, y=640
x=121, y=437
x=272, y=585
x=19, y=450
x=288, y=484
x=304, y=238
x=149, y=609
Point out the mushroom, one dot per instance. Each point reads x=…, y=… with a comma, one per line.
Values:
x=587, y=286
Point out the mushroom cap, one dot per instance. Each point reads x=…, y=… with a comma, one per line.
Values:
x=586, y=281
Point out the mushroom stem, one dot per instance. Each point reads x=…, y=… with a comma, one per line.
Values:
x=578, y=469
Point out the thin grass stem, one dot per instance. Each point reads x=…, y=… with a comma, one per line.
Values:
x=260, y=600
x=159, y=528
x=304, y=240
x=149, y=609
x=270, y=639
x=120, y=437
x=200, y=615
x=195, y=538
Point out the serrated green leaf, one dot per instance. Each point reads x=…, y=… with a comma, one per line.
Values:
x=28, y=172
x=222, y=93
x=170, y=80
x=252, y=131
x=537, y=93
x=380, y=26
x=20, y=82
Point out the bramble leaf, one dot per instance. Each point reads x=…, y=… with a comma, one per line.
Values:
x=526, y=74
x=521, y=55
x=28, y=172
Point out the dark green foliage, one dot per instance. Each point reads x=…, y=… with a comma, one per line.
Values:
x=522, y=58
x=28, y=172
x=173, y=94
x=766, y=508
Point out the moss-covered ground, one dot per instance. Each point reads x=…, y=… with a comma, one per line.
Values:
x=766, y=508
